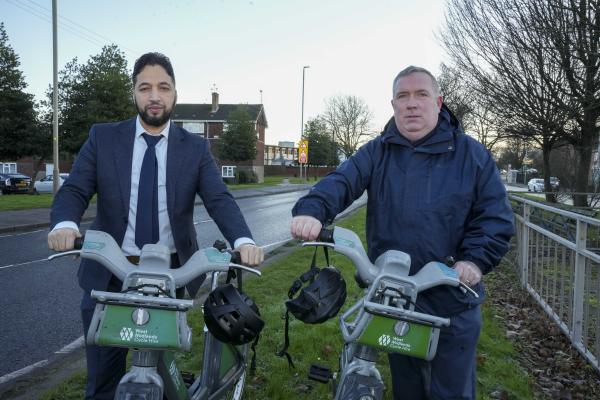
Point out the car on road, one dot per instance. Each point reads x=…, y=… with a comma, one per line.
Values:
x=535, y=185
x=14, y=183
x=45, y=185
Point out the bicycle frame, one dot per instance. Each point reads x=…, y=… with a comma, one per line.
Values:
x=153, y=325
x=384, y=319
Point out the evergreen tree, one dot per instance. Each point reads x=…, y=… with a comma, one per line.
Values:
x=95, y=92
x=238, y=142
x=322, y=150
x=18, y=123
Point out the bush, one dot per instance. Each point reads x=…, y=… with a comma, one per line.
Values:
x=246, y=177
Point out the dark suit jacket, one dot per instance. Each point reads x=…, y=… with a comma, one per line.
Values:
x=103, y=167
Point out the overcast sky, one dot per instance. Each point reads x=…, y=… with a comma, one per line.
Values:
x=352, y=46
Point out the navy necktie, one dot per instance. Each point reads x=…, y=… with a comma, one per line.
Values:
x=146, y=221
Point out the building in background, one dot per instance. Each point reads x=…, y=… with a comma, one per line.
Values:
x=285, y=153
x=210, y=121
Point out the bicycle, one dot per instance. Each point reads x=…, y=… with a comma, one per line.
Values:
x=147, y=319
x=384, y=319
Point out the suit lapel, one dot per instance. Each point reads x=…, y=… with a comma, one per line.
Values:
x=123, y=159
x=175, y=151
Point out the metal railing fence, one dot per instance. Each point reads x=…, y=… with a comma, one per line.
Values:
x=558, y=262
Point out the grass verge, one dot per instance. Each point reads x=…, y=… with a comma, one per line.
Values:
x=498, y=370
x=15, y=202
x=270, y=181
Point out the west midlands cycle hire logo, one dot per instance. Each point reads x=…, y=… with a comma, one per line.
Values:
x=384, y=340
x=126, y=334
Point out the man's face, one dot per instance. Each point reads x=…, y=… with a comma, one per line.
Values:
x=155, y=96
x=416, y=106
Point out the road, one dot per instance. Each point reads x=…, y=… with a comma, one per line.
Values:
x=39, y=300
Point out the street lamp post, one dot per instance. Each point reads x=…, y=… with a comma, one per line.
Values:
x=55, y=159
x=302, y=118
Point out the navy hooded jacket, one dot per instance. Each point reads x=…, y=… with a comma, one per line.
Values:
x=441, y=197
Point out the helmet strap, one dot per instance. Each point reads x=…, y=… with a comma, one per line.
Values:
x=253, y=362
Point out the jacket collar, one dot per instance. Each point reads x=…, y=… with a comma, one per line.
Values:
x=440, y=140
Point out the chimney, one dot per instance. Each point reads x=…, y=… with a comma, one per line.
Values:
x=215, y=102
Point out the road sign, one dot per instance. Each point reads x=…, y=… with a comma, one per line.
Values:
x=303, y=152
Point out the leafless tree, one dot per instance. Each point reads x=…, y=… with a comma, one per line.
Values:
x=457, y=95
x=348, y=119
x=571, y=29
x=473, y=110
x=504, y=52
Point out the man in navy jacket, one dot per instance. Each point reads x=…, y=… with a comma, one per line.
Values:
x=433, y=192
x=109, y=165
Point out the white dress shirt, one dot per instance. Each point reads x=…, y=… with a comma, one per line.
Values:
x=165, y=234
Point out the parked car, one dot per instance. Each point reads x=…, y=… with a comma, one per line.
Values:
x=45, y=185
x=535, y=185
x=14, y=183
x=554, y=182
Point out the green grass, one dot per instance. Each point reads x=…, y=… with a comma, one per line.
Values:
x=70, y=389
x=25, y=201
x=15, y=202
x=270, y=181
x=497, y=366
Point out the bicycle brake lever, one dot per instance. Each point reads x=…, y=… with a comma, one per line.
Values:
x=244, y=268
x=324, y=244
x=464, y=286
x=64, y=254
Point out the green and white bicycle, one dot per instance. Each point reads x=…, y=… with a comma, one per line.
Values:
x=147, y=318
x=384, y=319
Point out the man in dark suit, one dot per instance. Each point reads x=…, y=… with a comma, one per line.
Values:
x=146, y=173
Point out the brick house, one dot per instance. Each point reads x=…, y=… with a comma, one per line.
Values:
x=209, y=121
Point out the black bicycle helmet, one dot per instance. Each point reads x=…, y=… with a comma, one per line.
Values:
x=231, y=316
x=321, y=299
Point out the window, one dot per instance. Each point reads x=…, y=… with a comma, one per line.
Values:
x=194, y=127
x=8, y=168
x=228, y=171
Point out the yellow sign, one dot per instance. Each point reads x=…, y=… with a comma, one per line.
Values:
x=303, y=152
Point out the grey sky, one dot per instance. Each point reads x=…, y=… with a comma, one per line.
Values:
x=353, y=47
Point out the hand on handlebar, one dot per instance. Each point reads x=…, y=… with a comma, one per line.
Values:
x=305, y=227
x=62, y=239
x=251, y=255
x=468, y=272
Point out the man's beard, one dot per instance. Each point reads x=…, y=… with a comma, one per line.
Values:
x=156, y=121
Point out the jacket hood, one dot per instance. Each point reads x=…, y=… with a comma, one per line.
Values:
x=440, y=140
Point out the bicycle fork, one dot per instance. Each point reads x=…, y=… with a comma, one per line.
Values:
x=359, y=378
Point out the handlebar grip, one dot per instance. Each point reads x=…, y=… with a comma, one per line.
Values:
x=326, y=235
x=79, y=243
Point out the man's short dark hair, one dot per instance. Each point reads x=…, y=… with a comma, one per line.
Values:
x=153, y=58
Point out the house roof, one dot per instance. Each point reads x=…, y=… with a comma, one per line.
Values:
x=202, y=112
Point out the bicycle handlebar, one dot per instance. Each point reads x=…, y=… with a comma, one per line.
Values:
x=390, y=263
x=101, y=247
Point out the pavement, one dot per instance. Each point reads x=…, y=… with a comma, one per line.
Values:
x=21, y=220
